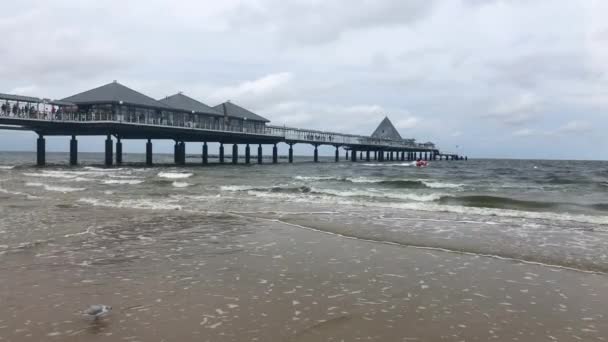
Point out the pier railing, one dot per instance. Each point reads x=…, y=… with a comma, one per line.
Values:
x=288, y=134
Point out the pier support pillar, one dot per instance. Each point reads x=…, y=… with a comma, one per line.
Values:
x=290, y=153
x=109, y=152
x=361, y=155
x=275, y=154
x=221, y=153
x=426, y=156
x=247, y=154
x=73, y=151
x=118, y=152
x=381, y=156
x=182, y=153
x=353, y=155
x=337, y=158
x=205, y=153
x=148, y=152
x=40, y=151
x=392, y=156
x=176, y=152
x=316, y=154
x=375, y=155
x=402, y=155
x=235, y=154
x=367, y=156
x=260, y=154
x=346, y=154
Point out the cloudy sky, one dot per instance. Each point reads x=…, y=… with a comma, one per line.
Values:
x=510, y=78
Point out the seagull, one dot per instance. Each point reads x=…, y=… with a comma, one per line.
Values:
x=97, y=311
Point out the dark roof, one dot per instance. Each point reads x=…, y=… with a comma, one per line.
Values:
x=113, y=93
x=19, y=98
x=59, y=102
x=386, y=130
x=238, y=112
x=183, y=102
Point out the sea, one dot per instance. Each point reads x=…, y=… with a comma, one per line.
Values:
x=477, y=250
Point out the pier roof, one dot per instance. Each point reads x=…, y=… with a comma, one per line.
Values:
x=19, y=98
x=183, y=102
x=386, y=130
x=239, y=112
x=115, y=93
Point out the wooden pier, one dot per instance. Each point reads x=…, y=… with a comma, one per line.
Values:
x=119, y=113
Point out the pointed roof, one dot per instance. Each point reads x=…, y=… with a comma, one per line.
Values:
x=183, y=102
x=386, y=130
x=239, y=112
x=114, y=93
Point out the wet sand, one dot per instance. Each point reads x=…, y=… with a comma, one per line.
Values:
x=179, y=276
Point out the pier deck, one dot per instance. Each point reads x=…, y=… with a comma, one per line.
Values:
x=93, y=113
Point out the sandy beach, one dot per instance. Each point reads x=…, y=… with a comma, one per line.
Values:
x=180, y=276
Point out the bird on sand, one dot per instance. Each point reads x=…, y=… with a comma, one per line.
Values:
x=97, y=311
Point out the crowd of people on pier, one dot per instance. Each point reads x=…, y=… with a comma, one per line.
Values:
x=28, y=110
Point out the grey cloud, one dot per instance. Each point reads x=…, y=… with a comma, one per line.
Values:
x=434, y=67
x=318, y=22
x=532, y=70
x=516, y=111
x=601, y=35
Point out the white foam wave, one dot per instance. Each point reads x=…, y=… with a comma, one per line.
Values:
x=370, y=180
x=379, y=194
x=18, y=193
x=152, y=204
x=47, y=187
x=98, y=169
x=315, y=178
x=180, y=184
x=123, y=181
x=390, y=164
x=602, y=220
x=236, y=187
x=7, y=167
x=82, y=179
x=425, y=205
x=441, y=185
x=65, y=174
x=365, y=180
x=49, y=174
x=174, y=175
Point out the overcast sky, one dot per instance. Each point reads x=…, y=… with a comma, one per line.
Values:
x=510, y=78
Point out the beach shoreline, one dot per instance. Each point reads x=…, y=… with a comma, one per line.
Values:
x=264, y=280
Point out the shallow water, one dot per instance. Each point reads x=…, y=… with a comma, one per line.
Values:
x=477, y=250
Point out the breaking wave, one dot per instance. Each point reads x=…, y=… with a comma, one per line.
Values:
x=174, y=175
x=123, y=181
x=391, y=183
x=47, y=187
x=333, y=192
x=497, y=202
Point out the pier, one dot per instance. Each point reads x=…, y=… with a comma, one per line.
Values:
x=118, y=113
